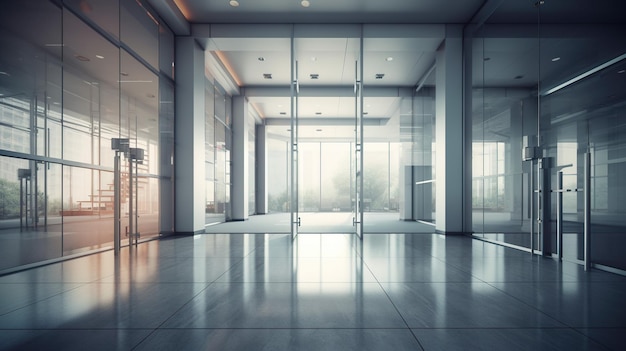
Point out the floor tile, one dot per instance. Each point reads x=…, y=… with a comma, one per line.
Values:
x=16, y=295
x=462, y=305
x=505, y=339
x=612, y=338
x=175, y=270
x=281, y=339
x=287, y=305
x=104, y=305
x=415, y=269
x=301, y=270
x=69, y=340
x=575, y=304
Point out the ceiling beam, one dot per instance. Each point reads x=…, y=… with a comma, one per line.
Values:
x=326, y=91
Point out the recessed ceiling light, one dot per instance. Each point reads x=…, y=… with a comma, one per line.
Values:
x=305, y=3
x=261, y=58
x=555, y=59
x=234, y=3
x=100, y=57
x=389, y=58
x=621, y=71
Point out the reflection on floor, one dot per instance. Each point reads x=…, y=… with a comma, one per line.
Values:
x=317, y=292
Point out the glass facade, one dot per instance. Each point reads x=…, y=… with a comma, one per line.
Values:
x=73, y=76
x=559, y=102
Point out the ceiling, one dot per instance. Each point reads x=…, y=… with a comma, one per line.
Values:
x=252, y=41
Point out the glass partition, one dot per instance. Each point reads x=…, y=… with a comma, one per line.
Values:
x=544, y=97
x=61, y=68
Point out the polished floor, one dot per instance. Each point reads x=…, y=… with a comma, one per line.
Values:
x=317, y=292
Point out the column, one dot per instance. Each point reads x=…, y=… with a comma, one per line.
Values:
x=261, y=169
x=189, y=137
x=239, y=159
x=449, y=131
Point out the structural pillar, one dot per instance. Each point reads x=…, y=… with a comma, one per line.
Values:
x=261, y=169
x=189, y=128
x=449, y=126
x=240, y=174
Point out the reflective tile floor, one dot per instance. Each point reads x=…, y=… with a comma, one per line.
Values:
x=318, y=292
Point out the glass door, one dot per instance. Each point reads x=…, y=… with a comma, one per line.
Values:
x=324, y=107
x=293, y=186
x=358, y=146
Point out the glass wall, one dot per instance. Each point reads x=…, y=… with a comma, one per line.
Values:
x=543, y=96
x=66, y=89
x=217, y=152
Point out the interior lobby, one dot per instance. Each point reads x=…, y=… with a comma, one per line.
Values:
x=312, y=175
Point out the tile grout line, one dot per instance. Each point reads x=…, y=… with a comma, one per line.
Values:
x=389, y=298
x=186, y=303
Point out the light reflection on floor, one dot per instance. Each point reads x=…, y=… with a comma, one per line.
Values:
x=319, y=291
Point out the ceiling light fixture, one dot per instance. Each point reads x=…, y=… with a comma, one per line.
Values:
x=100, y=57
x=555, y=59
x=389, y=58
x=305, y=3
x=234, y=3
x=621, y=71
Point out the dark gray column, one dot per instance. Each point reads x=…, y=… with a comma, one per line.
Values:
x=261, y=169
x=189, y=137
x=449, y=133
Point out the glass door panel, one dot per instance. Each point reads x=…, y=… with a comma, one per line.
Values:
x=358, y=143
x=293, y=185
x=326, y=106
